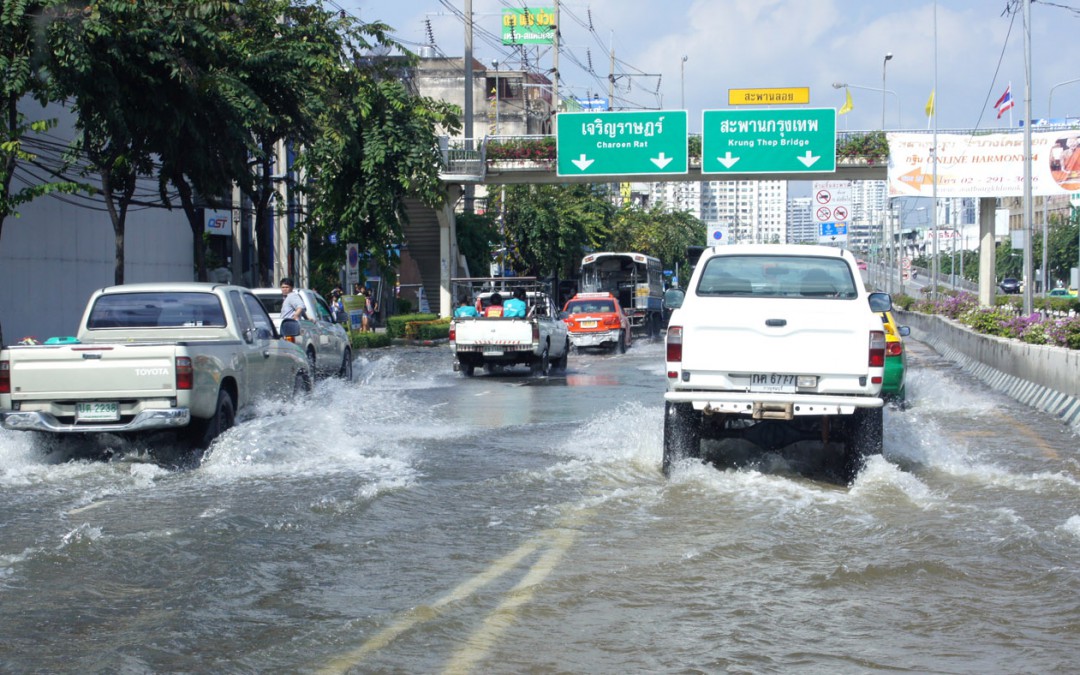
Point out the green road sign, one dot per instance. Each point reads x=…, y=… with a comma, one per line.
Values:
x=768, y=141
x=621, y=143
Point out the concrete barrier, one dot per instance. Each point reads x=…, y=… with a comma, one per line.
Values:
x=1047, y=378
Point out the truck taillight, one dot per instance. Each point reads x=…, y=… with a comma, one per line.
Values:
x=674, y=344
x=894, y=349
x=453, y=332
x=877, y=349
x=5, y=377
x=536, y=333
x=185, y=374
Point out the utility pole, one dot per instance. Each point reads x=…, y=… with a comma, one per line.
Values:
x=1029, y=281
x=468, y=108
x=555, y=62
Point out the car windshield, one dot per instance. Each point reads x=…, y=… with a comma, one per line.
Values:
x=591, y=307
x=156, y=310
x=777, y=276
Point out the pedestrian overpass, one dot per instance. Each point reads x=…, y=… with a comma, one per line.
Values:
x=431, y=234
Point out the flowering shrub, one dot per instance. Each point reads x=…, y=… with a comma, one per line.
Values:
x=872, y=147
x=1003, y=321
x=536, y=149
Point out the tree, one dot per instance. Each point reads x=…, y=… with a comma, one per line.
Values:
x=550, y=225
x=376, y=145
x=657, y=232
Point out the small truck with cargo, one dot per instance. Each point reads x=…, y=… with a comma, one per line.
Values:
x=775, y=345
x=188, y=357
x=539, y=339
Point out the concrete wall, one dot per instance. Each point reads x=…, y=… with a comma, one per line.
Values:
x=1047, y=378
x=61, y=248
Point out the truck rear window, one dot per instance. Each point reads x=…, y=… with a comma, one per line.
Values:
x=156, y=310
x=778, y=276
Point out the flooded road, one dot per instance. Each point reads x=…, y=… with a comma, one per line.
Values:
x=418, y=521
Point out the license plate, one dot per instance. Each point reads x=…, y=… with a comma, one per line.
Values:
x=772, y=382
x=588, y=324
x=97, y=412
x=493, y=351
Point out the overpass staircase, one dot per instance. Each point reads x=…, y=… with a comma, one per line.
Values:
x=422, y=241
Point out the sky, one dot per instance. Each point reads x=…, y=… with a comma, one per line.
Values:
x=729, y=44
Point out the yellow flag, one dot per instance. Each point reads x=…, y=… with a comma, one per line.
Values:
x=930, y=105
x=846, y=108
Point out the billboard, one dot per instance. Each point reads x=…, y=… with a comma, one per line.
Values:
x=531, y=26
x=990, y=165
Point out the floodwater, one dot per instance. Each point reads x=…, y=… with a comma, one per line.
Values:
x=417, y=521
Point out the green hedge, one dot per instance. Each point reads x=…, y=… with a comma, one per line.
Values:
x=428, y=330
x=368, y=340
x=395, y=325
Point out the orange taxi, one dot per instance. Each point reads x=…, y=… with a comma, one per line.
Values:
x=597, y=320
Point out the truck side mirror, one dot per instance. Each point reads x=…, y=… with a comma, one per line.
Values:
x=290, y=328
x=673, y=298
x=880, y=302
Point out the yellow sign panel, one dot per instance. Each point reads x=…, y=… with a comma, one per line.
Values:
x=776, y=96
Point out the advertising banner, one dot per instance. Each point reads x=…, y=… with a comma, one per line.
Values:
x=532, y=26
x=990, y=165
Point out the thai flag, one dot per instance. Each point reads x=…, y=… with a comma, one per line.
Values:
x=1005, y=102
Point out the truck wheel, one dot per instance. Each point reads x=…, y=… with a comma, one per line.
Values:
x=467, y=369
x=560, y=363
x=682, y=433
x=301, y=384
x=541, y=365
x=311, y=360
x=865, y=438
x=346, y=372
x=622, y=342
x=203, y=432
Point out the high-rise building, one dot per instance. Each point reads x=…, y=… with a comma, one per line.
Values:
x=801, y=228
x=753, y=211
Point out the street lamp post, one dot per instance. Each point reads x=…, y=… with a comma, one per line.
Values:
x=842, y=85
x=682, y=83
x=888, y=57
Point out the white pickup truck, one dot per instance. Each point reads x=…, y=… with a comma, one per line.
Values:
x=183, y=356
x=540, y=339
x=775, y=344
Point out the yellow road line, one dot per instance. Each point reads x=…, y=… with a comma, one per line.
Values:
x=485, y=638
x=425, y=613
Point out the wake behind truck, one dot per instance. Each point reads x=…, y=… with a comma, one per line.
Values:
x=635, y=279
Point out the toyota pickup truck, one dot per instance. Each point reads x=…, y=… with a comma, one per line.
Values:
x=539, y=339
x=774, y=345
x=182, y=356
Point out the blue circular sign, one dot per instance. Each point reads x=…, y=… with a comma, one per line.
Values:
x=718, y=235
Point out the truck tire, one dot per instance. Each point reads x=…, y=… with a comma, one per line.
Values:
x=541, y=365
x=621, y=347
x=467, y=369
x=560, y=363
x=202, y=433
x=346, y=372
x=301, y=384
x=865, y=438
x=312, y=361
x=682, y=433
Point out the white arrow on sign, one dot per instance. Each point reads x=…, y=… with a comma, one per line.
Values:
x=808, y=159
x=582, y=163
x=661, y=161
x=727, y=160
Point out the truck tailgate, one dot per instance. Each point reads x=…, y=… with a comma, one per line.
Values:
x=92, y=371
x=779, y=336
x=495, y=331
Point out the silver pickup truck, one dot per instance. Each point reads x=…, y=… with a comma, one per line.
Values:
x=184, y=356
x=775, y=345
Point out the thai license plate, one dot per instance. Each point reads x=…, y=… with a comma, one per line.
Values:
x=493, y=351
x=97, y=412
x=588, y=324
x=772, y=382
